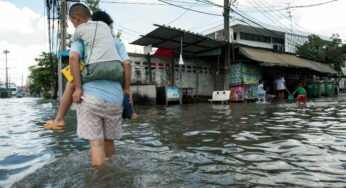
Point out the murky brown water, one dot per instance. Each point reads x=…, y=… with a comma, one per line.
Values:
x=238, y=145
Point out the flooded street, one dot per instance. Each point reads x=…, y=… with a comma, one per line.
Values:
x=238, y=145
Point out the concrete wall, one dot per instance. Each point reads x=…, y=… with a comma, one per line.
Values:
x=196, y=74
x=144, y=94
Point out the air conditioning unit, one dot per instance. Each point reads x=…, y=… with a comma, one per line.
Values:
x=278, y=47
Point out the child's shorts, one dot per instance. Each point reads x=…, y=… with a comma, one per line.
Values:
x=261, y=95
x=98, y=119
x=302, y=98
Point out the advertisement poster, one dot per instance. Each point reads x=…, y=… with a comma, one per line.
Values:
x=172, y=93
x=237, y=93
x=250, y=73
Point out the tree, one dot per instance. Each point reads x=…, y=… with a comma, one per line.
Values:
x=314, y=49
x=93, y=5
x=329, y=52
x=118, y=35
x=44, y=75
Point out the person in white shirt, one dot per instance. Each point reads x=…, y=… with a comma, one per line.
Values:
x=280, y=86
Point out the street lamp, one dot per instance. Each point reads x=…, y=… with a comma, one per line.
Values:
x=6, y=52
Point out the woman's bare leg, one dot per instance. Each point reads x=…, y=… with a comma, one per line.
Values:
x=109, y=148
x=97, y=152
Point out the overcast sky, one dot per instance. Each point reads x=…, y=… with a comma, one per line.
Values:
x=23, y=27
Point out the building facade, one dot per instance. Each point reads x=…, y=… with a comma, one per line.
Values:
x=261, y=35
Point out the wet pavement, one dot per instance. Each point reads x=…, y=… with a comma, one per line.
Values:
x=238, y=145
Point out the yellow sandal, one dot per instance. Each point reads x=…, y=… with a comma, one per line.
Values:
x=51, y=125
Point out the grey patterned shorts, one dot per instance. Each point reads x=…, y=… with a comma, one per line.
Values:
x=98, y=119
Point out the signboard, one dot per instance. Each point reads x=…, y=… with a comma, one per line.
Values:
x=250, y=73
x=221, y=95
x=235, y=74
x=172, y=93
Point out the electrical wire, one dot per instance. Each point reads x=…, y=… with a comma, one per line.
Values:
x=181, y=15
x=311, y=5
x=182, y=3
x=164, y=1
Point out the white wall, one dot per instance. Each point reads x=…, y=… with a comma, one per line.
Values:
x=161, y=75
x=292, y=40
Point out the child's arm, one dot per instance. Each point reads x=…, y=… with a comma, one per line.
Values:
x=75, y=70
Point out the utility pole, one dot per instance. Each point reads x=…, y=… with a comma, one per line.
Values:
x=63, y=25
x=6, y=52
x=226, y=9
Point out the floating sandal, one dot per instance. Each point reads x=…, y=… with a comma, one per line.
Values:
x=51, y=125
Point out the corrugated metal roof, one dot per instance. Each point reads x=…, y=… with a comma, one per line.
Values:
x=169, y=38
x=270, y=58
x=320, y=67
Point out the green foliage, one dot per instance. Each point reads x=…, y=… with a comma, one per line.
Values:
x=93, y=5
x=4, y=94
x=314, y=48
x=329, y=52
x=46, y=95
x=44, y=75
x=118, y=36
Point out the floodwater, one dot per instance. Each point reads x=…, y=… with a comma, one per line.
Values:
x=238, y=145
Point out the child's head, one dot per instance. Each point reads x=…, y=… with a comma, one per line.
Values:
x=261, y=82
x=79, y=14
x=103, y=17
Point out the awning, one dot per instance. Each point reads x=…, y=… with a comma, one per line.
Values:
x=270, y=58
x=164, y=52
x=319, y=67
x=169, y=38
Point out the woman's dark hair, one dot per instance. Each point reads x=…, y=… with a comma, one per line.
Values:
x=102, y=16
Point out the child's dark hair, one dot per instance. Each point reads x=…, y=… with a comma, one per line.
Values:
x=102, y=16
x=260, y=81
x=80, y=10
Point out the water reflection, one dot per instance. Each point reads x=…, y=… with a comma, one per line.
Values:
x=190, y=145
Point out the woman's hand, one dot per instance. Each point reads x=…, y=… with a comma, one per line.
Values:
x=128, y=92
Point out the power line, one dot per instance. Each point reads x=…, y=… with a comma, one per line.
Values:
x=182, y=3
x=181, y=15
x=311, y=5
x=189, y=8
x=280, y=9
x=269, y=16
x=283, y=16
x=205, y=25
x=130, y=3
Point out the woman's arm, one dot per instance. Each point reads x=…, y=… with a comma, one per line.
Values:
x=127, y=80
